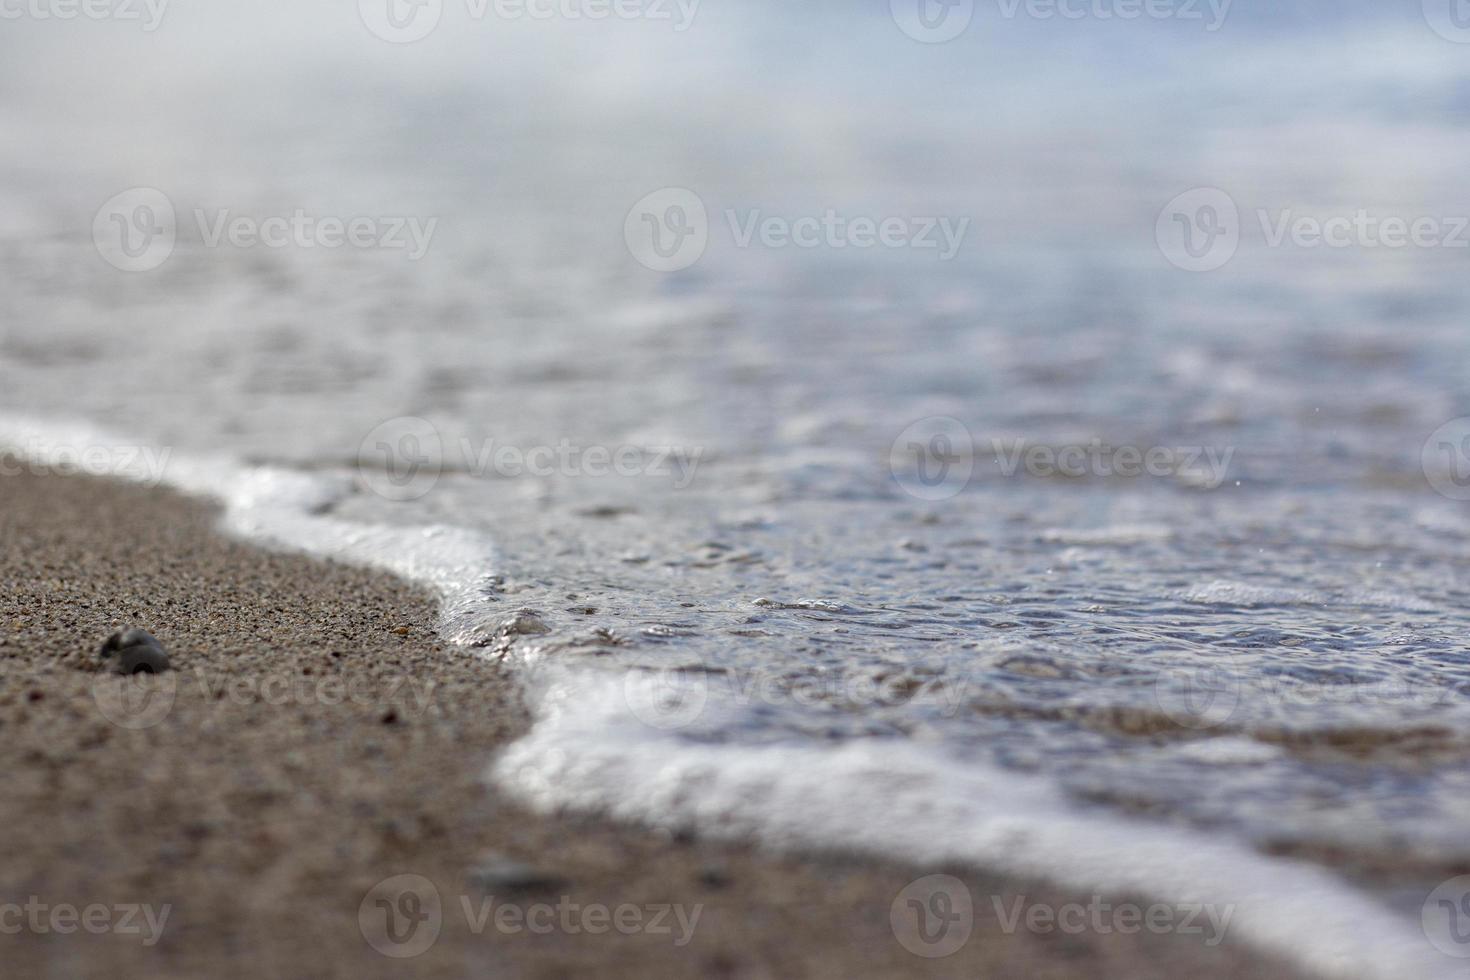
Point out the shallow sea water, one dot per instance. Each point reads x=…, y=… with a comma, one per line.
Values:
x=1215, y=681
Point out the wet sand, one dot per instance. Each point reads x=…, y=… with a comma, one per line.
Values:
x=317, y=738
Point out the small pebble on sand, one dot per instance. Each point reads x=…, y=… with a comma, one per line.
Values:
x=498, y=874
x=134, y=651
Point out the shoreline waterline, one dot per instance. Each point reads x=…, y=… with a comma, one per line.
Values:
x=801, y=799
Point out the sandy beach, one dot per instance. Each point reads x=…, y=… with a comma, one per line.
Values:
x=315, y=738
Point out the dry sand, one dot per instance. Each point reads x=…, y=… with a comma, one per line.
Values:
x=300, y=762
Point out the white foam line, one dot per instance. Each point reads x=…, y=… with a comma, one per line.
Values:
x=274, y=506
x=588, y=751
